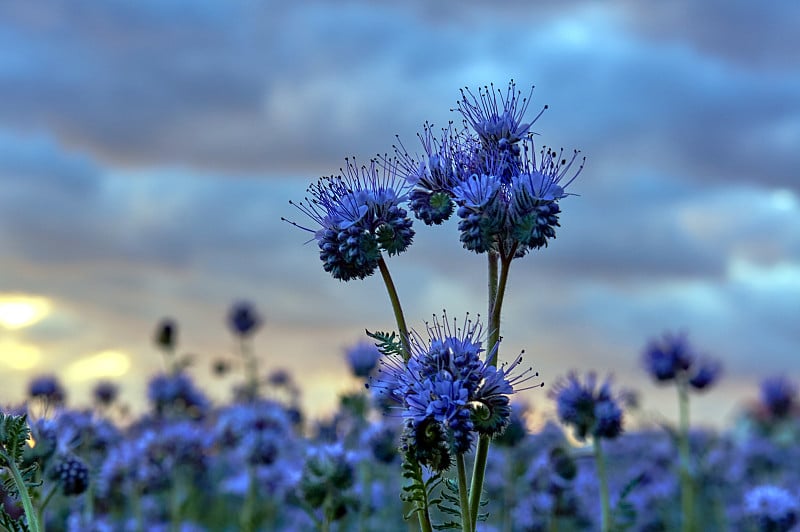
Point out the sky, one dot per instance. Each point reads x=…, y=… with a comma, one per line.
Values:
x=149, y=149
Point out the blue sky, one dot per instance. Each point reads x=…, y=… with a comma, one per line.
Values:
x=149, y=149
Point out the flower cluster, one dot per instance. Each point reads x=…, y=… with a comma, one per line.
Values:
x=362, y=359
x=590, y=410
x=507, y=197
x=360, y=215
x=243, y=319
x=773, y=508
x=779, y=396
x=671, y=358
x=447, y=392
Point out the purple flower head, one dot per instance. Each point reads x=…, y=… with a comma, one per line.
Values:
x=176, y=394
x=664, y=358
x=105, y=392
x=706, y=374
x=447, y=391
x=71, y=474
x=590, y=410
x=244, y=319
x=360, y=215
x=496, y=118
x=166, y=334
x=778, y=395
x=773, y=508
x=48, y=388
x=363, y=358
x=432, y=176
x=513, y=208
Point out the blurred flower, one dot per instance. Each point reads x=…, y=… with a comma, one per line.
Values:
x=243, y=319
x=326, y=481
x=778, y=395
x=705, y=374
x=166, y=334
x=774, y=508
x=359, y=213
x=176, y=394
x=363, y=358
x=105, y=392
x=47, y=388
x=671, y=357
x=72, y=475
x=589, y=410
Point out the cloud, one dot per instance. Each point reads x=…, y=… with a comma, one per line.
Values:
x=236, y=88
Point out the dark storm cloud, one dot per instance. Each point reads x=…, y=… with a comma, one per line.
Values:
x=265, y=87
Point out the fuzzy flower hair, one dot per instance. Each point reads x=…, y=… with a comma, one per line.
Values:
x=359, y=215
x=449, y=391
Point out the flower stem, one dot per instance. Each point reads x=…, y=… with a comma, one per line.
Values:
x=398, y=310
x=600, y=460
x=250, y=369
x=25, y=497
x=497, y=288
x=44, y=504
x=466, y=518
x=687, y=495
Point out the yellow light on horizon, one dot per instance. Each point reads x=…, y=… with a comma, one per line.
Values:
x=104, y=364
x=19, y=356
x=21, y=310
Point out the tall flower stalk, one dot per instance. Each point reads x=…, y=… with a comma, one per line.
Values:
x=672, y=359
x=505, y=193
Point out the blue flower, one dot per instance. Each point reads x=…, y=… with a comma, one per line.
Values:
x=671, y=357
x=774, y=508
x=360, y=215
x=105, y=392
x=433, y=176
x=590, y=410
x=497, y=119
x=176, y=394
x=666, y=357
x=778, y=395
x=706, y=373
x=244, y=319
x=72, y=475
x=363, y=358
x=48, y=388
x=448, y=393
x=506, y=197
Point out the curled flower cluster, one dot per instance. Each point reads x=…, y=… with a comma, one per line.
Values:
x=507, y=197
x=447, y=392
x=590, y=410
x=671, y=358
x=360, y=215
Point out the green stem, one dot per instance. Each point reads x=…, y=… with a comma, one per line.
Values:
x=44, y=504
x=398, y=310
x=175, y=506
x=250, y=369
x=478, y=472
x=25, y=497
x=601, y=476
x=497, y=288
x=466, y=518
x=687, y=495
x=246, y=519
